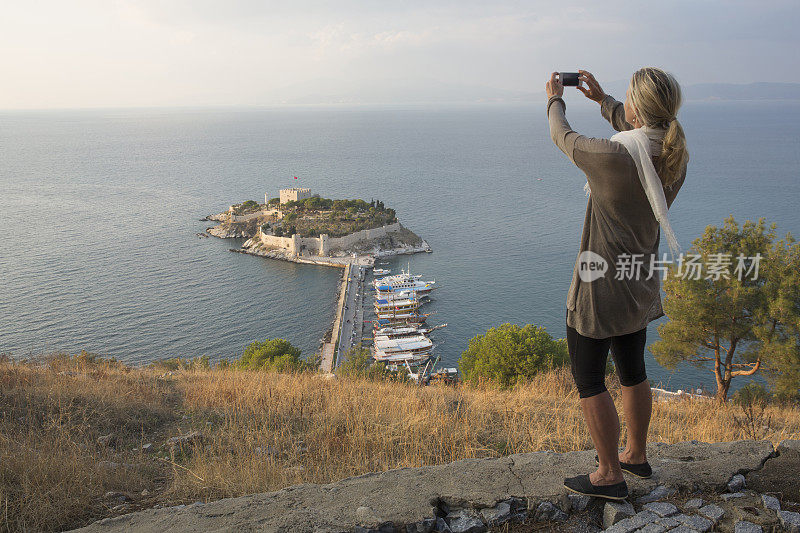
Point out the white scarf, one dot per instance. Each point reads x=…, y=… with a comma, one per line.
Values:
x=638, y=145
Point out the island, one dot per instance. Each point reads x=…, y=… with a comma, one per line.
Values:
x=303, y=227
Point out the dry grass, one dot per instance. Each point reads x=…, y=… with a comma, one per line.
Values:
x=262, y=431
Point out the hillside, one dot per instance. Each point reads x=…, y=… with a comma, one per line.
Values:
x=83, y=440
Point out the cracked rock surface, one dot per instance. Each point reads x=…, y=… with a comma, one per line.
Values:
x=408, y=496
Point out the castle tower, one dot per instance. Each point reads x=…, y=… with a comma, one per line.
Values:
x=293, y=194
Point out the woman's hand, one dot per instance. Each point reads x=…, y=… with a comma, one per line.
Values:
x=592, y=91
x=553, y=87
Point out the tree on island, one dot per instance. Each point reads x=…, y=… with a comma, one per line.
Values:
x=272, y=354
x=738, y=319
x=508, y=353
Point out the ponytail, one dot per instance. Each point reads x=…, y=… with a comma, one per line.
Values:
x=656, y=95
x=674, y=154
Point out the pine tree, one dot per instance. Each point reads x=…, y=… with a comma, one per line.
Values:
x=739, y=319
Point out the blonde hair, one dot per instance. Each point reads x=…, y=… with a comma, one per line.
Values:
x=656, y=97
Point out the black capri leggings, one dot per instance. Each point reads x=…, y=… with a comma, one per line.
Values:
x=588, y=360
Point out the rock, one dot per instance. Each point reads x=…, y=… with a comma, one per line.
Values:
x=195, y=438
x=657, y=527
x=658, y=493
x=770, y=502
x=465, y=521
x=367, y=517
x=662, y=509
x=579, y=502
x=497, y=515
x=779, y=474
x=107, y=440
x=790, y=521
x=737, y=483
x=697, y=523
x=121, y=508
x=423, y=526
x=113, y=495
x=148, y=448
x=441, y=526
x=732, y=496
x=693, y=504
x=476, y=482
x=712, y=512
x=743, y=526
x=547, y=512
x=663, y=524
x=634, y=523
x=613, y=512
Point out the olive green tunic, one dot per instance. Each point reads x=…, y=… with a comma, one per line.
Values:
x=619, y=221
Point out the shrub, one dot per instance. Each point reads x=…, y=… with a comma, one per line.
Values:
x=272, y=354
x=508, y=353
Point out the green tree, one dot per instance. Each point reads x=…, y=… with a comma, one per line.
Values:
x=358, y=362
x=272, y=354
x=509, y=352
x=735, y=319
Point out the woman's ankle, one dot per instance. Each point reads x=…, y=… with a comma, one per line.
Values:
x=633, y=456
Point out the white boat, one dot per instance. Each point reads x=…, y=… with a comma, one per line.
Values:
x=398, y=315
x=401, y=331
x=416, y=344
x=400, y=359
x=405, y=349
x=398, y=295
x=420, y=287
x=403, y=281
x=411, y=321
x=397, y=309
x=380, y=271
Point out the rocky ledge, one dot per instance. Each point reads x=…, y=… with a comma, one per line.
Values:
x=695, y=487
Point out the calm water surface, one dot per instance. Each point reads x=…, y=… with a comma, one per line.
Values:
x=100, y=211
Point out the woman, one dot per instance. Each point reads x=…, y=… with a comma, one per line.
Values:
x=632, y=180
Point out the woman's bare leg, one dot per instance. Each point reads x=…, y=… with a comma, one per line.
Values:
x=603, y=421
x=637, y=401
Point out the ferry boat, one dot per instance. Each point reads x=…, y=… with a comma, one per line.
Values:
x=407, y=349
x=413, y=321
x=411, y=314
x=400, y=295
x=404, y=280
x=394, y=307
x=400, y=332
x=420, y=287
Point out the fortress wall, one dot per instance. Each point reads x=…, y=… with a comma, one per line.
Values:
x=249, y=216
x=338, y=243
x=277, y=242
x=322, y=245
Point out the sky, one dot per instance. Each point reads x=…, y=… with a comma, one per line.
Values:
x=128, y=53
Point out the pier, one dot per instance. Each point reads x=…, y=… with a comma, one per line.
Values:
x=348, y=324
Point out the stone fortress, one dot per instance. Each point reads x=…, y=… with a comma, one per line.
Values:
x=295, y=245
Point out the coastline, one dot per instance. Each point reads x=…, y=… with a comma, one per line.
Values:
x=360, y=254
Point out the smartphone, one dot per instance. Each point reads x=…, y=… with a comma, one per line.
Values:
x=568, y=79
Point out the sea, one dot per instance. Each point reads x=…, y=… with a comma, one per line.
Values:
x=100, y=213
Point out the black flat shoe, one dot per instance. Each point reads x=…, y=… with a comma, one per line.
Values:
x=642, y=470
x=582, y=485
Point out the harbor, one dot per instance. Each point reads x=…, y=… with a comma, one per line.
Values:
x=394, y=323
x=303, y=227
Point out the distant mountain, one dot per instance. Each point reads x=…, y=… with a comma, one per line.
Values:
x=405, y=91
x=749, y=91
